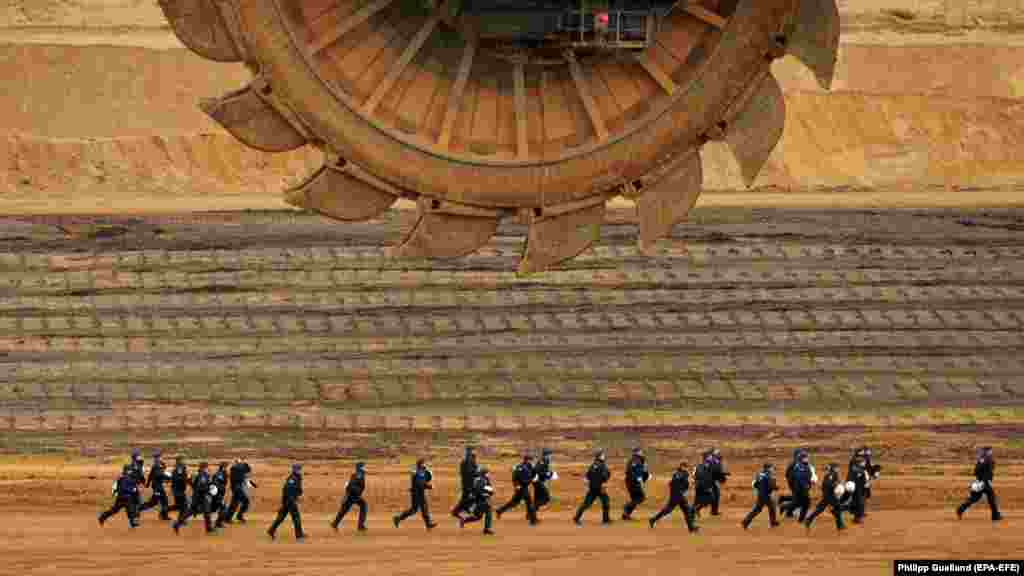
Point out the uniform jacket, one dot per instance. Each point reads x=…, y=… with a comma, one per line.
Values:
x=801, y=477
x=679, y=484
x=765, y=485
x=704, y=477
x=482, y=490
x=637, y=473
x=127, y=485
x=718, y=471
x=420, y=480
x=542, y=472
x=985, y=469
x=238, y=474
x=157, y=476
x=597, y=475
x=467, y=472
x=356, y=485
x=828, y=486
x=180, y=479
x=220, y=480
x=523, y=474
x=292, y=488
x=201, y=484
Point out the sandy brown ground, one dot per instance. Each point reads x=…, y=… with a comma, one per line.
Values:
x=50, y=504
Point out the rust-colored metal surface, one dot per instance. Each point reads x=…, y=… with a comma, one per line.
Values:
x=406, y=103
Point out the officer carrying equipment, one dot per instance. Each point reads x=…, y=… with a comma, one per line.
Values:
x=801, y=478
x=480, y=505
x=354, y=497
x=125, y=492
x=596, y=477
x=158, y=475
x=180, y=482
x=832, y=491
x=704, y=481
x=857, y=474
x=984, y=472
x=468, y=470
x=238, y=477
x=290, y=494
x=719, y=475
x=637, y=476
x=677, y=488
x=419, y=484
x=202, y=491
x=543, y=473
x=219, y=493
x=764, y=485
x=522, y=477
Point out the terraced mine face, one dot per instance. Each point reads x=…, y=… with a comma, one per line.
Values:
x=488, y=109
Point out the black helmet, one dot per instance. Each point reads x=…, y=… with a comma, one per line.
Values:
x=599, y=455
x=421, y=462
x=360, y=465
x=203, y=465
x=768, y=466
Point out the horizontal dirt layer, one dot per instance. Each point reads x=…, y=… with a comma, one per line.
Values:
x=51, y=501
x=228, y=318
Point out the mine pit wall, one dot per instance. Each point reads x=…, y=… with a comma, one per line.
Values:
x=102, y=116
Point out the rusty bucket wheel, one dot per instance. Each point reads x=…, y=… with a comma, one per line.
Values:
x=405, y=105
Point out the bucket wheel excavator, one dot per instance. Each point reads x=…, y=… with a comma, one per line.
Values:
x=478, y=110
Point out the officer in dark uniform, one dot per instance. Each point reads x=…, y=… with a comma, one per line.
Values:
x=832, y=490
x=354, y=497
x=984, y=471
x=544, y=473
x=238, y=477
x=467, y=474
x=791, y=482
x=201, y=503
x=522, y=477
x=704, y=485
x=719, y=474
x=597, y=475
x=801, y=477
x=420, y=482
x=179, y=485
x=764, y=484
x=220, y=483
x=857, y=473
x=480, y=505
x=125, y=492
x=677, y=488
x=139, y=472
x=290, y=494
x=873, y=470
x=155, y=481
x=637, y=476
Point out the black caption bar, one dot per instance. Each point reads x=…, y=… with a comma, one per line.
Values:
x=905, y=567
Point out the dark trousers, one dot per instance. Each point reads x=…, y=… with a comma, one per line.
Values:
x=481, y=510
x=127, y=503
x=974, y=497
x=347, y=505
x=541, y=496
x=832, y=504
x=801, y=499
x=419, y=504
x=217, y=505
x=465, y=501
x=522, y=495
x=702, y=500
x=636, y=498
x=159, y=498
x=761, y=505
x=288, y=508
x=673, y=503
x=716, y=496
x=200, y=505
x=588, y=501
x=857, y=503
x=239, y=504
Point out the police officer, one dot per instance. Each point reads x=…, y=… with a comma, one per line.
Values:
x=801, y=477
x=139, y=472
x=543, y=473
x=704, y=485
x=420, y=482
x=155, y=481
x=201, y=503
x=637, y=476
x=677, y=488
x=596, y=477
x=238, y=477
x=858, y=474
x=764, y=485
x=522, y=477
x=984, y=471
x=217, y=496
x=179, y=484
x=354, y=497
x=832, y=490
x=467, y=474
x=125, y=492
x=290, y=494
x=873, y=470
x=719, y=475
x=480, y=505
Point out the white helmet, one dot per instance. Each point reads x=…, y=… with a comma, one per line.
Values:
x=850, y=486
x=839, y=490
x=977, y=486
x=213, y=490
